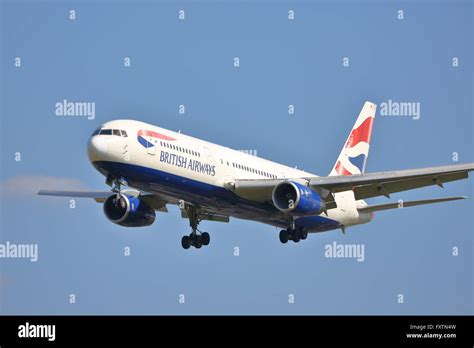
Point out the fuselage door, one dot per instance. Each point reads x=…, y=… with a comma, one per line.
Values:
x=208, y=156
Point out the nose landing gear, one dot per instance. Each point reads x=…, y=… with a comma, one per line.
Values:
x=116, y=184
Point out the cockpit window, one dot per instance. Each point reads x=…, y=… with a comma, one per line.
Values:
x=106, y=132
x=117, y=132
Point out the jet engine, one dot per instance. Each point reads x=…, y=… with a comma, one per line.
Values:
x=128, y=211
x=297, y=199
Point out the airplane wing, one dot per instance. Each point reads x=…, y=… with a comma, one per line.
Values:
x=99, y=196
x=378, y=207
x=364, y=185
x=154, y=201
x=385, y=183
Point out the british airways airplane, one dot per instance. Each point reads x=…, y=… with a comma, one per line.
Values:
x=212, y=182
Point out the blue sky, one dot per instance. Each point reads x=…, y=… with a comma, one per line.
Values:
x=190, y=62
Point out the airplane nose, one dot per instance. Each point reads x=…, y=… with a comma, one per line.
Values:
x=97, y=148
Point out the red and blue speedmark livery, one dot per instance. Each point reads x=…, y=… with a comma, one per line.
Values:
x=354, y=154
x=210, y=182
x=149, y=138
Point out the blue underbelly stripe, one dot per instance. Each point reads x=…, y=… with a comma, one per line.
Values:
x=160, y=182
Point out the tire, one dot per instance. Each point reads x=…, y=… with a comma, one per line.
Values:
x=283, y=236
x=296, y=236
x=198, y=242
x=206, y=238
x=304, y=235
x=185, y=242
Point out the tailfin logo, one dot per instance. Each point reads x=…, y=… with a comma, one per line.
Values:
x=356, y=149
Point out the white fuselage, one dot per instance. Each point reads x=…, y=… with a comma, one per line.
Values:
x=188, y=158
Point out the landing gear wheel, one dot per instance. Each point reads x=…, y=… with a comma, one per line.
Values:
x=206, y=238
x=296, y=236
x=186, y=242
x=304, y=235
x=197, y=242
x=284, y=236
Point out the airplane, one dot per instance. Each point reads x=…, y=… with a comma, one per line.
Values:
x=149, y=167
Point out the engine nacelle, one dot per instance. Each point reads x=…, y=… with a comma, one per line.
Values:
x=297, y=199
x=128, y=211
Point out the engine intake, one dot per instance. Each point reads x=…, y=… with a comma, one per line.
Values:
x=297, y=199
x=128, y=211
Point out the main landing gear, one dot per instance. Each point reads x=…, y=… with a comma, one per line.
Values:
x=293, y=233
x=194, y=239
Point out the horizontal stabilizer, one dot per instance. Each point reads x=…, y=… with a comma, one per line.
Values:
x=372, y=208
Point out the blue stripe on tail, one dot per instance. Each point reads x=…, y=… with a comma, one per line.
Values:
x=358, y=161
